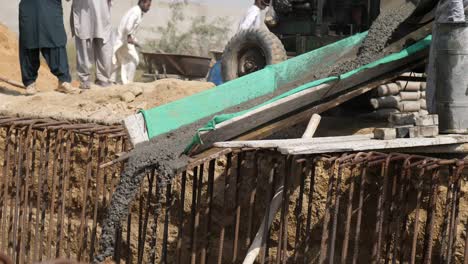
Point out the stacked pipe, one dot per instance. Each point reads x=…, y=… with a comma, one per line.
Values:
x=400, y=96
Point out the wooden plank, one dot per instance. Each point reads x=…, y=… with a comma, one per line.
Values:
x=290, y=142
x=367, y=145
x=295, y=98
x=307, y=99
x=450, y=149
x=312, y=126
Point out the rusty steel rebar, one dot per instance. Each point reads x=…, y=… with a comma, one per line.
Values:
x=53, y=187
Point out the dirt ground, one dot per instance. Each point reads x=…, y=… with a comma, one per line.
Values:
x=101, y=105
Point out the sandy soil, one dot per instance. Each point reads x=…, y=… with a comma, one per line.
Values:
x=99, y=105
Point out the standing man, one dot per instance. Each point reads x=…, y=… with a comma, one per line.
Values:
x=42, y=31
x=91, y=26
x=254, y=17
x=125, y=53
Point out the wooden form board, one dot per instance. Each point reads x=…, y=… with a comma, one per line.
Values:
x=345, y=144
x=276, y=143
x=323, y=94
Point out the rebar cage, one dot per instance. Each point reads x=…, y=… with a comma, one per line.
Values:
x=347, y=208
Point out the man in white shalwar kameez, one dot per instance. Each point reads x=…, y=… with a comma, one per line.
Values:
x=91, y=26
x=447, y=11
x=254, y=18
x=125, y=56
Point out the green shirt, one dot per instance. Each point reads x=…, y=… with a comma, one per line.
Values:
x=41, y=24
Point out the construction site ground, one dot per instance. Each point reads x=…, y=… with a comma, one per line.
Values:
x=107, y=105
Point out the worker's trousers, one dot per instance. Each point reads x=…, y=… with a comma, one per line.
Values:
x=93, y=52
x=127, y=63
x=56, y=58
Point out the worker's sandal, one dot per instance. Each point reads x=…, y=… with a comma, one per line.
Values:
x=103, y=84
x=31, y=89
x=85, y=86
x=67, y=88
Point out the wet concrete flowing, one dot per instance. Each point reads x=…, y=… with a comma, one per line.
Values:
x=377, y=39
x=163, y=153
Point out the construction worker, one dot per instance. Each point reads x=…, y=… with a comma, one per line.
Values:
x=41, y=30
x=125, y=53
x=91, y=26
x=254, y=17
x=447, y=11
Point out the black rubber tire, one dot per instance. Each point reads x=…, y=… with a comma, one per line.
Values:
x=270, y=45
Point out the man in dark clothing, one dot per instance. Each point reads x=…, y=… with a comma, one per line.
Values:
x=42, y=31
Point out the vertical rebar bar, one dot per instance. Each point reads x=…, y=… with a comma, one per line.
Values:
x=100, y=159
x=240, y=158
x=44, y=191
x=269, y=197
x=380, y=212
x=180, y=235
x=225, y=202
x=401, y=210
x=166, y=223
x=23, y=254
x=455, y=214
x=31, y=201
x=159, y=191
x=65, y=156
x=19, y=175
x=447, y=216
x=252, y=197
x=129, y=241
x=336, y=210
x=56, y=163
x=4, y=195
x=349, y=211
x=83, y=224
x=286, y=194
x=419, y=187
x=429, y=232
x=326, y=218
x=194, y=226
x=144, y=226
x=357, y=235
x=208, y=211
x=310, y=207
x=466, y=242
x=391, y=214
x=298, y=209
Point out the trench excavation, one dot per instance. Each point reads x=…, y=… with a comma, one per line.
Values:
x=357, y=207
x=163, y=153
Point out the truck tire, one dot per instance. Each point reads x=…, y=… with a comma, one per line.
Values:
x=249, y=51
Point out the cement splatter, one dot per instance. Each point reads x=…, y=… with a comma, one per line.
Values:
x=163, y=153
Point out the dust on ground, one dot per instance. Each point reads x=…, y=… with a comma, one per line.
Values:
x=107, y=105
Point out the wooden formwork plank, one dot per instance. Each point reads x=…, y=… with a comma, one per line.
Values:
x=369, y=145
